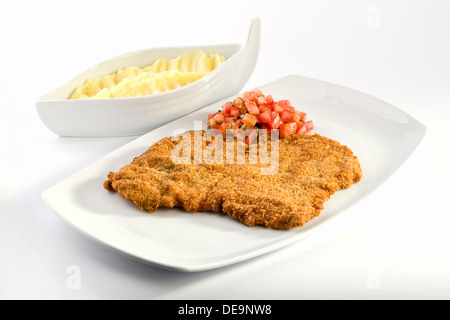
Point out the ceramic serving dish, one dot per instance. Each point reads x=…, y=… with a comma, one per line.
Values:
x=174, y=239
x=139, y=115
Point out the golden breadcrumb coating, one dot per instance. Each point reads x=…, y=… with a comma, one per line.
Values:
x=311, y=168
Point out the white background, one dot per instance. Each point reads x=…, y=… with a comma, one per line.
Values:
x=394, y=244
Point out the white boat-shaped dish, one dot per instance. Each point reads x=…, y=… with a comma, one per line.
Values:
x=139, y=115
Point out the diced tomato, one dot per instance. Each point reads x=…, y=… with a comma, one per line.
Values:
x=275, y=121
x=227, y=126
x=299, y=116
x=287, y=115
x=250, y=96
x=287, y=129
x=229, y=120
x=238, y=102
x=235, y=112
x=252, y=136
x=211, y=120
x=276, y=107
x=265, y=117
x=263, y=107
x=286, y=105
x=309, y=125
x=223, y=127
x=252, y=108
x=300, y=130
x=258, y=92
x=261, y=100
x=249, y=120
x=213, y=115
x=227, y=108
x=306, y=128
x=234, y=127
x=219, y=117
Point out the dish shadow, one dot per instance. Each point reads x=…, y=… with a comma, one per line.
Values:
x=109, y=203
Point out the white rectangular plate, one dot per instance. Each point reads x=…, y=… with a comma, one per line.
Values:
x=381, y=135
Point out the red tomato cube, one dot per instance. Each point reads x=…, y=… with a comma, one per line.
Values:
x=235, y=112
x=252, y=107
x=249, y=120
x=287, y=129
x=276, y=121
x=287, y=115
x=265, y=117
x=227, y=108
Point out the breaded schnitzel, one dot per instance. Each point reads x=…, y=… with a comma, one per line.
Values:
x=311, y=168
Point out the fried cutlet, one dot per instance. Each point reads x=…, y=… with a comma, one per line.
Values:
x=311, y=168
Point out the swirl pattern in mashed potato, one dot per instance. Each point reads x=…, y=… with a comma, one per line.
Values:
x=163, y=75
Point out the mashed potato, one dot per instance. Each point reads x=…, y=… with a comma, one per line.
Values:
x=163, y=75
